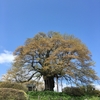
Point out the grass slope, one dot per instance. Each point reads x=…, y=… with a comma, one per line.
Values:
x=48, y=95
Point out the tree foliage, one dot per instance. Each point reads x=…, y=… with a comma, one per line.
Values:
x=53, y=55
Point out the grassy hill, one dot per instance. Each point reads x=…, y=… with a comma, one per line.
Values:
x=48, y=95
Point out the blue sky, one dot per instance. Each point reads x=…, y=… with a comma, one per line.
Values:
x=21, y=19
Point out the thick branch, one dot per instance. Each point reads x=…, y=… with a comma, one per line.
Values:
x=29, y=78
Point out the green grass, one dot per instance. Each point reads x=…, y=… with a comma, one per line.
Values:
x=48, y=95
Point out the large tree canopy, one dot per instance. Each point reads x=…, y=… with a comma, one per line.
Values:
x=52, y=56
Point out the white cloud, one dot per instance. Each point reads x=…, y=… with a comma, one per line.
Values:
x=97, y=87
x=6, y=57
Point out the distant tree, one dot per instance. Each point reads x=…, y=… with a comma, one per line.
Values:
x=52, y=56
x=10, y=76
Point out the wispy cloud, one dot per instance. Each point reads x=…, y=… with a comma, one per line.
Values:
x=6, y=57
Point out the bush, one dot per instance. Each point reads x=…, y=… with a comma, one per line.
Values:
x=94, y=93
x=12, y=94
x=81, y=91
x=13, y=85
x=74, y=91
x=90, y=90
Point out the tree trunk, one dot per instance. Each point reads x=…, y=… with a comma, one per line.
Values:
x=49, y=83
x=57, y=84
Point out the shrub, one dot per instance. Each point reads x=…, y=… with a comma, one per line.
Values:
x=12, y=94
x=90, y=90
x=94, y=93
x=13, y=85
x=74, y=91
x=81, y=91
